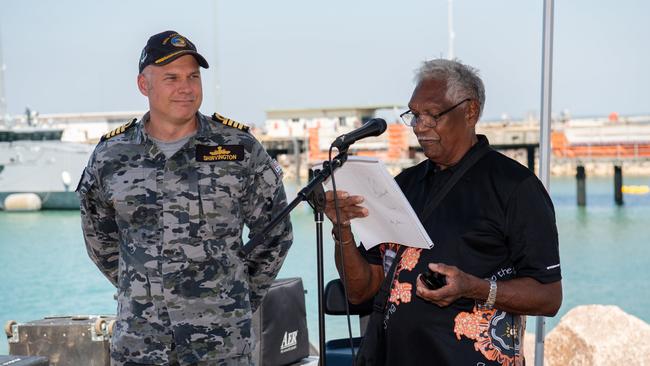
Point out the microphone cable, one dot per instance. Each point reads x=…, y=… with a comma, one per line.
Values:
x=340, y=244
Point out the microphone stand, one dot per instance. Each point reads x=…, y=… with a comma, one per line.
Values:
x=314, y=194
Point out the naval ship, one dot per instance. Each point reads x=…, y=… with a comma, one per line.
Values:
x=38, y=170
x=42, y=156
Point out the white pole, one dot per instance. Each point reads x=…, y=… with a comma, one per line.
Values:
x=3, y=101
x=215, y=62
x=545, y=140
x=450, y=29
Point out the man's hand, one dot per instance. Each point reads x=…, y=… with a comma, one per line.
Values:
x=349, y=207
x=459, y=284
x=523, y=295
x=363, y=279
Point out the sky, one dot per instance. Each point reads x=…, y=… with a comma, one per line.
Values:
x=69, y=56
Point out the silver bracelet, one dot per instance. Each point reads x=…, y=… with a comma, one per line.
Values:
x=492, y=297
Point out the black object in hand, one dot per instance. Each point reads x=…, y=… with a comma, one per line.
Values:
x=433, y=280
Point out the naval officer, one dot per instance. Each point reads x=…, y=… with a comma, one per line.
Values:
x=163, y=203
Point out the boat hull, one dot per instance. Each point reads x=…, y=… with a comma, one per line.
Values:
x=50, y=200
x=50, y=169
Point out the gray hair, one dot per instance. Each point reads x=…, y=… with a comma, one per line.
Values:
x=463, y=81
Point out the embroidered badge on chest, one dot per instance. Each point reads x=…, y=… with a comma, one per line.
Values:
x=207, y=153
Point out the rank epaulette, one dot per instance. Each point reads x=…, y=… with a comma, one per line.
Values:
x=119, y=130
x=228, y=122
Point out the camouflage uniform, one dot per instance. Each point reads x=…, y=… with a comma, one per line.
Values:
x=166, y=233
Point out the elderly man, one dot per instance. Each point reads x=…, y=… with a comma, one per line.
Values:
x=163, y=204
x=495, y=238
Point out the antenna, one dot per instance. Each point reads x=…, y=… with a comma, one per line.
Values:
x=3, y=101
x=215, y=62
x=450, y=28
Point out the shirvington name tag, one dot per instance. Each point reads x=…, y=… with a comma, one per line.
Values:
x=207, y=153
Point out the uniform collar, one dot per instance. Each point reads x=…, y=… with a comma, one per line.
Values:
x=140, y=134
x=202, y=129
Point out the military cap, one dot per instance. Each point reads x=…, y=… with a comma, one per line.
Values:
x=165, y=47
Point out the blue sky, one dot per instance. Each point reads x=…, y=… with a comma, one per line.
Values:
x=81, y=56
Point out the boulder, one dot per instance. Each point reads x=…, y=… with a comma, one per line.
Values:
x=529, y=345
x=597, y=335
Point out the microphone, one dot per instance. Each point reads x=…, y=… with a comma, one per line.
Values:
x=374, y=127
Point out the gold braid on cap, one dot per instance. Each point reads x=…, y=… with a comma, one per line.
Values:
x=230, y=123
x=119, y=130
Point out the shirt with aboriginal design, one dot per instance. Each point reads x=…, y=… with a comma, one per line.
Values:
x=497, y=222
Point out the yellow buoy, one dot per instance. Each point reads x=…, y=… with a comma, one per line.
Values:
x=642, y=189
x=22, y=202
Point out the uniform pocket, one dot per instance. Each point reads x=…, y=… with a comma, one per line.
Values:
x=133, y=195
x=219, y=193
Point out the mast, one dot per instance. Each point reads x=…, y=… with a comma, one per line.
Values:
x=215, y=62
x=450, y=29
x=545, y=140
x=3, y=101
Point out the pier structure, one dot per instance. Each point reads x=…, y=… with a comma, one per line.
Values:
x=611, y=141
x=306, y=134
x=606, y=145
x=311, y=132
x=584, y=145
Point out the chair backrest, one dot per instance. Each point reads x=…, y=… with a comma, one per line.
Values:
x=335, y=301
x=338, y=351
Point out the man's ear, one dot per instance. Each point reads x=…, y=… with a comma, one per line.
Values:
x=143, y=84
x=471, y=112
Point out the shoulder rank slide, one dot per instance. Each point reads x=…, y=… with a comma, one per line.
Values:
x=119, y=130
x=228, y=122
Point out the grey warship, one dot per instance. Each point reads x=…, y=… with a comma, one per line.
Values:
x=33, y=159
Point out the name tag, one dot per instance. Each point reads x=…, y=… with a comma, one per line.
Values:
x=207, y=153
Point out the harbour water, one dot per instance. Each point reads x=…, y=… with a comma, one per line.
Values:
x=605, y=253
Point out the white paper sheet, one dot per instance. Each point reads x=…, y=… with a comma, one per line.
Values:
x=390, y=216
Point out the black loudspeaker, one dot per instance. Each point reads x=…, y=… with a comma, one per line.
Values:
x=280, y=325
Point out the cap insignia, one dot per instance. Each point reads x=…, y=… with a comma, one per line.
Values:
x=178, y=41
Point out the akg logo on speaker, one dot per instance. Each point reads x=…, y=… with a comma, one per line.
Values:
x=289, y=341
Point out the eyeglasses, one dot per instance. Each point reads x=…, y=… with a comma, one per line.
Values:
x=411, y=119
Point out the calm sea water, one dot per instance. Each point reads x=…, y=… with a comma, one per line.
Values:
x=605, y=253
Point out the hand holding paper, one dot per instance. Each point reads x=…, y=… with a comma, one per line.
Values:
x=350, y=207
x=385, y=214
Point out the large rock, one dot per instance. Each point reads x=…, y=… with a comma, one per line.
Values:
x=529, y=347
x=597, y=335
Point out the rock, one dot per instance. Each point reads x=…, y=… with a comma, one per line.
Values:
x=597, y=335
x=529, y=346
